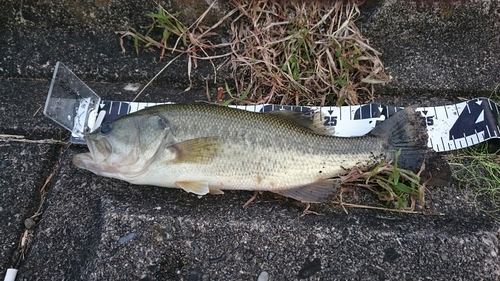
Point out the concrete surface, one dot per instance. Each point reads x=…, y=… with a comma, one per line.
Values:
x=451, y=46
x=95, y=228
x=23, y=170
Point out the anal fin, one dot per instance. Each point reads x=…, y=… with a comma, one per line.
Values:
x=215, y=191
x=320, y=191
x=196, y=187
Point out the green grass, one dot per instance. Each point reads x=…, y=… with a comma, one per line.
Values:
x=477, y=168
x=234, y=99
x=164, y=24
x=398, y=188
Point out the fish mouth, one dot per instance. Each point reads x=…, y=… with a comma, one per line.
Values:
x=100, y=161
x=85, y=160
x=95, y=157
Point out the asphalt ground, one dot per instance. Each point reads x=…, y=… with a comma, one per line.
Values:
x=97, y=228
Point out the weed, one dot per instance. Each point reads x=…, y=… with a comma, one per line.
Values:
x=395, y=186
x=195, y=38
x=167, y=24
x=286, y=52
x=233, y=99
x=476, y=167
x=303, y=53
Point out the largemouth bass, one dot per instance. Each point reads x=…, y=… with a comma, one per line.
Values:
x=206, y=149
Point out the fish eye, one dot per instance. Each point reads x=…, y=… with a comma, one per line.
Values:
x=106, y=128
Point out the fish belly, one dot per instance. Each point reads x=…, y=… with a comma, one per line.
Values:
x=269, y=169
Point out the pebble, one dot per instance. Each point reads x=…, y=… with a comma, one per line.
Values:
x=270, y=255
x=197, y=249
x=126, y=238
x=263, y=276
x=219, y=259
x=29, y=223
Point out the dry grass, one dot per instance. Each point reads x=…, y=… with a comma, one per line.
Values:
x=302, y=53
x=194, y=40
x=284, y=52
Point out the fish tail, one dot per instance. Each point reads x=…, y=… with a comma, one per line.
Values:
x=406, y=131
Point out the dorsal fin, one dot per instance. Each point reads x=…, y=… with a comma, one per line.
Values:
x=313, y=122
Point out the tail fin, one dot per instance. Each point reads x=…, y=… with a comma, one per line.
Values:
x=405, y=131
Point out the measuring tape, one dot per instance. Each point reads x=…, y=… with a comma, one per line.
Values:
x=80, y=110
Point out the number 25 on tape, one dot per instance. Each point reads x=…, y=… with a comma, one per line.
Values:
x=330, y=121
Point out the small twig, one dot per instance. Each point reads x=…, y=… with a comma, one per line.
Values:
x=37, y=111
x=17, y=138
x=3, y=136
x=387, y=209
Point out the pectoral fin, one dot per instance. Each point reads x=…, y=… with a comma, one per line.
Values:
x=320, y=191
x=200, y=150
x=196, y=187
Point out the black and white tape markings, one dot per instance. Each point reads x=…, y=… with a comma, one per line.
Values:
x=73, y=105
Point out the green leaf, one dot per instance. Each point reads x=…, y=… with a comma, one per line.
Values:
x=245, y=94
x=384, y=184
x=345, y=64
x=167, y=25
x=401, y=203
x=341, y=82
x=395, y=176
x=396, y=171
x=150, y=29
x=154, y=16
x=340, y=101
x=226, y=103
x=356, y=48
x=166, y=35
x=338, y=52
x=403, y=188
x=228, y=91
x=184, y=40
x=396, y=156
x=136, y=44
x=180, y=28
